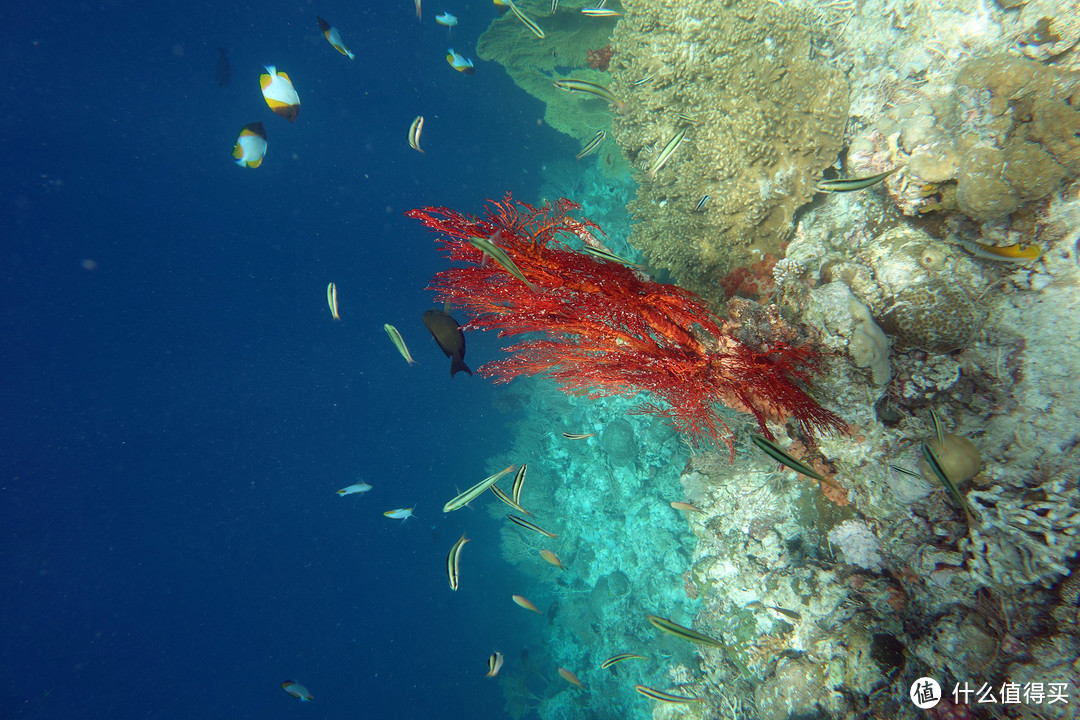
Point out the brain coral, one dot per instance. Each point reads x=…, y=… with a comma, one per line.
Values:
x=766, y=116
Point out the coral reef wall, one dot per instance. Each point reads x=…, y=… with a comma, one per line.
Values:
x=763, y=112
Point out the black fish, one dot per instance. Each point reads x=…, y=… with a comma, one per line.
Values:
x=447, y=333
x=224, y=69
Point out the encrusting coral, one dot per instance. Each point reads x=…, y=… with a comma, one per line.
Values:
x=763, y=116
x=608, y=330
x=1006, y=137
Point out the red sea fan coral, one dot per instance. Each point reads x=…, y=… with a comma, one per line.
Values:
x=599, y=59
x=606, y=329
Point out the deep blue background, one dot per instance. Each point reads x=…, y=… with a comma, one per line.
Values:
x=175, y=420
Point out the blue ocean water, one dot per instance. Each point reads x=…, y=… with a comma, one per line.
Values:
x=178, y=406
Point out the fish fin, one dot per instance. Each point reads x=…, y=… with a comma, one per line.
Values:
x=285, y=75
x=237, y=152
x=255, y=163
x=458, y=365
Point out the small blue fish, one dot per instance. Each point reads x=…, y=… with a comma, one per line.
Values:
x=460, y=62
x=446, y=19
x=360, y=487
x=297, y=690
x=401, y=514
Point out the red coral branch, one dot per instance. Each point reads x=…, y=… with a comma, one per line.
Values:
x=599, y=59
x=607, y=330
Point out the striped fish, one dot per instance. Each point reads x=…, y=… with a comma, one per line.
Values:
x=599, y=12
x=554, y=6
x=852, y=184
x=331, y=300
x=475, y=491
x=499, y=493
x=519, y=482
x=495, y=663
x=701, y=203
x=496, y=253
x=415, y=129
x=453, y=561
x=665, y=696
x=931, y=458
x=597, y=253
x=522, y=522
x=642, y=81
x=777, y=453
x=938, y=430
x=621, y=657
x=687, y=118
x=665, y=154
x=525, y=20
x=592, y=144
x=679, y=631
x=610, y=257
x=589, y=88
x=399, y=342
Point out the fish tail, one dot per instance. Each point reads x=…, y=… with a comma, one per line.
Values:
x=458, y=365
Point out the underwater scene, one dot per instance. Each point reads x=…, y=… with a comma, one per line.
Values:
x=540, y=360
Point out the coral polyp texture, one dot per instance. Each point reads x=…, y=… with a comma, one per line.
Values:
x=606, y=329
x=763, y=116
x=1007, y=136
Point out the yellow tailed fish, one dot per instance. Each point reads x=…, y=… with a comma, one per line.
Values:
x=399, y=342
x=475, y=491
x=686, y=506
x=401, y=514
x=333, y=37
x=779, y=455
x=453, y=562
x=361, y=487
